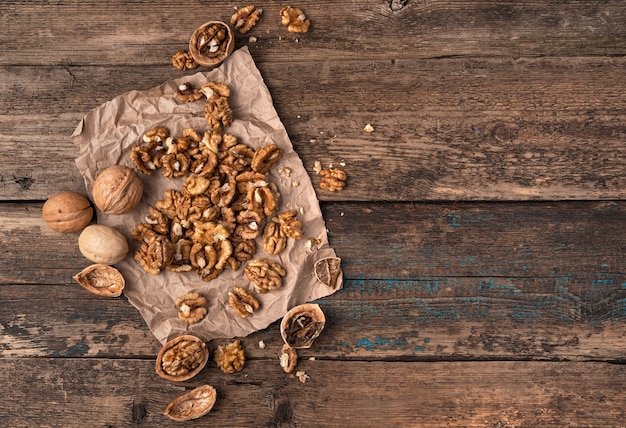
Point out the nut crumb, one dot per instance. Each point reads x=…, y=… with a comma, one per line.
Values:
x=302, y=376
x=317, y=167
x=261, y=344
x=295, y=183
x=368, y=128
x=311, y=358
x=252, y=39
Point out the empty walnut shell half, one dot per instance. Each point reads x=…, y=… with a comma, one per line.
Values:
x=182, y=358
x=302, y=324
x=193, y=404
x=102, y=280
x=328, y=271
x=211, y=43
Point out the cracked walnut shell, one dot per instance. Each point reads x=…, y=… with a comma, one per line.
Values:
x=302, y=325
x=211, y=43
x=101, y=280
x=182, y=358
x=230, y=358
x=117, y=190
x=192, y=405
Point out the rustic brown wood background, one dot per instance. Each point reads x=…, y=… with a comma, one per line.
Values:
x=481, y=230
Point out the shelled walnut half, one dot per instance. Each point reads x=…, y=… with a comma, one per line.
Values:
x=191, y=307
x=242, y=302
x=295, y=20
x=288, y=358
x=333, y=179
x=245, y=18
x=230, y=358
x=182, y=358
x=265, y=275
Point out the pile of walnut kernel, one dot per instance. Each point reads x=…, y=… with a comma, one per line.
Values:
x=227, y=201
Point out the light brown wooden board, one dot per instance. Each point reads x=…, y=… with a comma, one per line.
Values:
x=95, y=392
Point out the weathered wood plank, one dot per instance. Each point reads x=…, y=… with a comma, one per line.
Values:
x=454, y=129
x=367, y=321
x=518, y=281
x=556, y=241
x=123, y=392
x=121, y=33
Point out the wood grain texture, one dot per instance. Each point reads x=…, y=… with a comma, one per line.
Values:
x=39, y=33
x=481, y=231
x=458, y=281
x=453, y=129
x=88, y=392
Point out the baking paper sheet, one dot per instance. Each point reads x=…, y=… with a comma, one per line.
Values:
x=105, y=137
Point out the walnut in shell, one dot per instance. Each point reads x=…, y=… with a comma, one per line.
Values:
x=192, y=405
x=102, y=280
x=102, y=244
x=182, y=358
x=302, y=325
x=117, y=190
x=67, y=212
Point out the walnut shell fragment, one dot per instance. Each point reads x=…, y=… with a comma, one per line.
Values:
x=328, y=270
x=101, y=280
x=182, y=358
x=302, y=325
x=193, y=404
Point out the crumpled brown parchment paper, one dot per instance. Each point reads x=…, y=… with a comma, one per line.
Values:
x=105, y=137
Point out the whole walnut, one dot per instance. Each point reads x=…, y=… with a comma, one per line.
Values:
x=117, y=190
x=67, y=212
x=102, y=244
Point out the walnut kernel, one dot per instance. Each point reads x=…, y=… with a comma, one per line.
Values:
x=191, y=307
x=295, y=20
x=242, y=302
x=333, y=179
x=183, y=60
x=288, y=358
x=265, y=275
x=230, y=358
x=245, y=18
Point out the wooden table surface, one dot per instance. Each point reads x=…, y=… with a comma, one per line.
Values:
x=481, y=230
